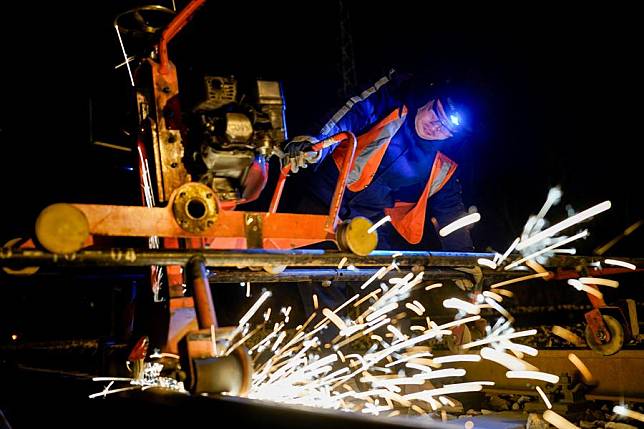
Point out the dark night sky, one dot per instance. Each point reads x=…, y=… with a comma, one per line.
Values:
x=558, y=94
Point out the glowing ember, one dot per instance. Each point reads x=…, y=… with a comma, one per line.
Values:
x=585, y=288
x=519, y=279
x=567, y=335
x=533, y=375
x=544, y=397
x=486, y=263
x=557, y=421
x=598, y=281
x=459, y=223
x=619, y=263
x=623, y=411
x=586, y=375
x=377, y=225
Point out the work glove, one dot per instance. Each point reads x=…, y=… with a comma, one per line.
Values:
x=469, y=284
x=298, y=153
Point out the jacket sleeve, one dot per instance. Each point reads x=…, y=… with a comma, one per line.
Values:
x=366, y=109
x=446, y=206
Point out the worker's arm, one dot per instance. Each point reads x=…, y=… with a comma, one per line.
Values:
x=363, y=110
x=447, y=206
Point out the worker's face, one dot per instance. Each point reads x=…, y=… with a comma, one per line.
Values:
x=429, y=125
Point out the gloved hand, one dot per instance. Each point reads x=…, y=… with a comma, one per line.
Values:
x=298, y=152
x=467, y=284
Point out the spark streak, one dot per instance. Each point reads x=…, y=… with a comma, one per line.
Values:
x=619, y=263
x=519, y=279
x=585, y=288
x=558, y=421
x=510, y=362
x=623, y=411
x=377, y=225
x=534, y=375
x=586, y=375
x=599, y=281
x=544, y=397
x=547, y=249
x=459, y=223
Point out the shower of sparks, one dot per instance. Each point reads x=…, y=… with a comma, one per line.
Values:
x=623, y=411
x=582, y=234
x=151, y=377
x=557, y=421
x=619, y=263
x=303, y=376
x=378, y=224
x=572, y=220
x=544, y=397
x=459, y=223
x=378, y=350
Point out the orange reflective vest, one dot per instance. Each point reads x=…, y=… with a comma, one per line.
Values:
x=408, y=218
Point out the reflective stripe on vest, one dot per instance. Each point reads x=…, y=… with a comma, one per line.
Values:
x=409, y=218
x=371, y=147
x=331, y=126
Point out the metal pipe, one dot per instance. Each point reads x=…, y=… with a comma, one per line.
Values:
x=173, y=28
x=279, y=187
x=197, y=279
x=320, y=275
x=257, y=258
x=343, y=176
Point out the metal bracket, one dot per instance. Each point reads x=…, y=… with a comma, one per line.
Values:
x=253, y=230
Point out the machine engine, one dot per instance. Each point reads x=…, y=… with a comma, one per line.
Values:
x=232, y=129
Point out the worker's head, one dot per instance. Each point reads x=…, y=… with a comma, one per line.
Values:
x=440, y=113
x=438, y=119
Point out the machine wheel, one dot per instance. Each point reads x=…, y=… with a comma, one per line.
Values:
x=354, y=236
x=24, y=271
x=616, y=337
x=62, y=228
x=231, y=374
